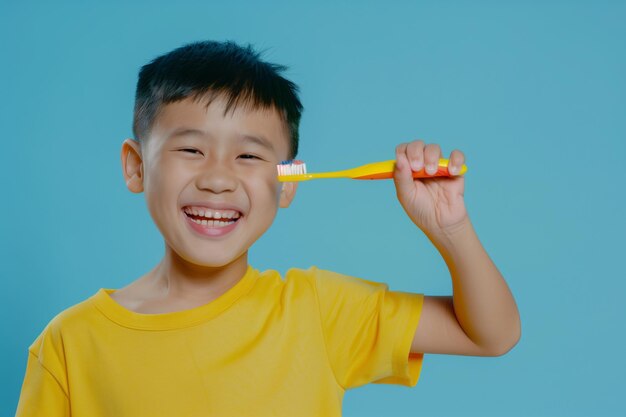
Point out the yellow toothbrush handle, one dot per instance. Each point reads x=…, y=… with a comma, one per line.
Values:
x=384, y=170
x=373, y=171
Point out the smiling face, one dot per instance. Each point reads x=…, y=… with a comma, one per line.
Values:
x=210, y=180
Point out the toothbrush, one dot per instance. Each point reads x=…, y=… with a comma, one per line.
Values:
x=295, y=170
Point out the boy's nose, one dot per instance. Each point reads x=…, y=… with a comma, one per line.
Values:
x=217, y=178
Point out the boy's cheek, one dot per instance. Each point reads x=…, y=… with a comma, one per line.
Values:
x=264, y=186
x=268, y=175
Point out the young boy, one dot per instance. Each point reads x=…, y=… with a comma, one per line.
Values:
x=206, y=334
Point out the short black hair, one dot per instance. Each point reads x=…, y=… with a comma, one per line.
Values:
x=209, y=69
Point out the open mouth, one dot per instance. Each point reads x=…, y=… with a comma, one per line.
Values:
x=206, y=217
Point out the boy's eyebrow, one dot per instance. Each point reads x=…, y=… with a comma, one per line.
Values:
x=259, y=140
x=183, y=131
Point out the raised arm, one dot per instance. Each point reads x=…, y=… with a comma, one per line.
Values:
x=481, y=318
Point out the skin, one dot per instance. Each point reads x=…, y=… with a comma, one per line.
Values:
x=216, y=166
x=481, y=317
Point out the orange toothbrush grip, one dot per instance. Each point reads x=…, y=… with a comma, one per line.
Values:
x=441, y=172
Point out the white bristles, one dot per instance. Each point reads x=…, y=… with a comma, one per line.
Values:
x=295, y=167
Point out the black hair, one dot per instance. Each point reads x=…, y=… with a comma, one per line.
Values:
x=208, y=69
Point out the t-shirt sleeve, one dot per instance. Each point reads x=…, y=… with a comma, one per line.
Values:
x=42, y=393
x=368, y=330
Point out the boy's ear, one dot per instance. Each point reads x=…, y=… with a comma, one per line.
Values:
x=287, y=194
x=132, y=165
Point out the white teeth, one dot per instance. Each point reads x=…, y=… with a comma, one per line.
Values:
x=212, y=223
x=212, y=214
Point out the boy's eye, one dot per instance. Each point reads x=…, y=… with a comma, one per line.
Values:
x=190, y=150
x=248, y=156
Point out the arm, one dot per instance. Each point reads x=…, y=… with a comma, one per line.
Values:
x=481, y=318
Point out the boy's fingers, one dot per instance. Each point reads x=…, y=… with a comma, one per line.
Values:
x=400, y=151
x=432, y=154
x=402, y=175
x=457, y=159
x=415, y=153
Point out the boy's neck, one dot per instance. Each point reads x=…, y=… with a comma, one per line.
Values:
x=175, y=278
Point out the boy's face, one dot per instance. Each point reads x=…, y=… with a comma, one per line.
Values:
x=198, y=159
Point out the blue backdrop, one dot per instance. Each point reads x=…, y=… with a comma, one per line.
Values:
x=534, y=94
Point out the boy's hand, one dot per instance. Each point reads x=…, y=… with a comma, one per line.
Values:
x=434, y=204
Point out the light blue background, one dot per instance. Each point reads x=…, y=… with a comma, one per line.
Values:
x=534, y=94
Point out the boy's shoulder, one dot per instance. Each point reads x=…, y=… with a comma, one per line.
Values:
x=334, y=285
x=326, y=276
x=75, y=313
x=77, y=317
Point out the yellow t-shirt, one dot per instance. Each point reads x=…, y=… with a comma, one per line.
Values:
x=266, y=347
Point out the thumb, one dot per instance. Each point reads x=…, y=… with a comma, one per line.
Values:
x=403, y=176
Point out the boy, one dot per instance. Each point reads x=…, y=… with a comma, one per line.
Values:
x=204, y=333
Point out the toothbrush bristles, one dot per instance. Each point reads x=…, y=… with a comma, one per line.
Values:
x=291, y=167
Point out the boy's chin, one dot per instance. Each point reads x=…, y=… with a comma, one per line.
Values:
x=212, y=262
